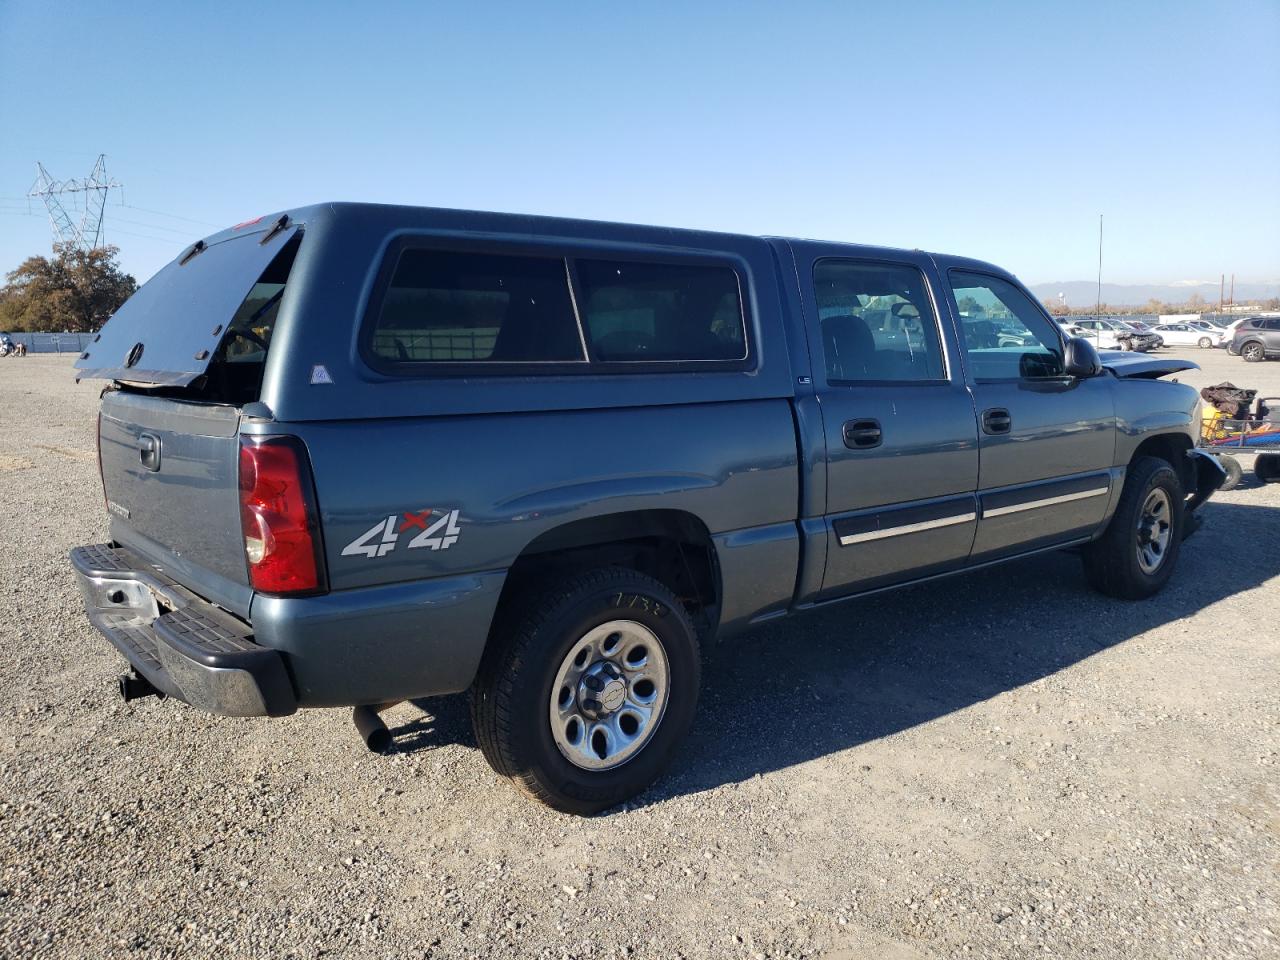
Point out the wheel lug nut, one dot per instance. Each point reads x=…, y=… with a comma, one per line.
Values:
x=594, y=683
x=592, y=705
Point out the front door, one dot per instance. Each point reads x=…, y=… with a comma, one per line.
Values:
x=1047, y=441
x=901, y=436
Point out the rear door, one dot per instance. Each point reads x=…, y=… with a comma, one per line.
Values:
x=901, y=437
x=1047, y=441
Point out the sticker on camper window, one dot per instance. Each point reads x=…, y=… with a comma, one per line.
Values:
x=430, y=529
x=320, y=374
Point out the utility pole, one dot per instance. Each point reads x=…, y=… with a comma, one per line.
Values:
x=1098, y=308
x=87, y=234
x=1222, y=283
x=1231, y=298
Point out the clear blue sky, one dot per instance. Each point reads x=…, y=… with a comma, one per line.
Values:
x=998, y=130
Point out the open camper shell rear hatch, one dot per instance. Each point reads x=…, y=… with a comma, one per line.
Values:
x=168, y=332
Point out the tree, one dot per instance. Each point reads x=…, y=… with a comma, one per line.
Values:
x=73, y=290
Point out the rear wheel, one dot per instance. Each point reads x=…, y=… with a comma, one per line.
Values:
x=1205, y=343
x=1135, y=556
x=584, y=704
x=1253, y=351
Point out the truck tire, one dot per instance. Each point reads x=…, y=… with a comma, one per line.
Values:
x=1235, y=472
x=1253, y=351
x=1266, y=467
x=583, y=703
x=1135, y=556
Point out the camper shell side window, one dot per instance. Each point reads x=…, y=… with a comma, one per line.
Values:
x=455, y=309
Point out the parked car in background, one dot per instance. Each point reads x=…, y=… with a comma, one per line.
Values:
x=1113, y=335
x=1257, y=338
x=1187, y=335
x=1070, y=328
x=1145, y=329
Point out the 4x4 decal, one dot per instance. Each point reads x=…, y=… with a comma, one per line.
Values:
x=436, y=530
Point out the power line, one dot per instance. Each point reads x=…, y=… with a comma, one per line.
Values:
x=161, y=213
x=127, y=233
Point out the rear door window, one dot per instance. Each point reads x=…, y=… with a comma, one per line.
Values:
x=636, y=311
x=878, y=324
x=458, y=307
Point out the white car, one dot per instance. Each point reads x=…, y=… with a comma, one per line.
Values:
x=1187, y=335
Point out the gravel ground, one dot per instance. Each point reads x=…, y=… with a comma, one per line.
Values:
x=989, y=766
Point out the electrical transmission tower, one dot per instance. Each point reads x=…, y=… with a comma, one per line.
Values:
x=87, y=234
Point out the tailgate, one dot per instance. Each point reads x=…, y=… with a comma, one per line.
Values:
x=170, y=469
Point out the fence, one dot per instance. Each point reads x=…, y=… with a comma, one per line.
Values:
x=54, y=342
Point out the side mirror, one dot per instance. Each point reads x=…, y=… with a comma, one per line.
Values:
x=1081, y=360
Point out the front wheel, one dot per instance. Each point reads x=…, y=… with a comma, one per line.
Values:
x=1135, y=556
x=585, y=702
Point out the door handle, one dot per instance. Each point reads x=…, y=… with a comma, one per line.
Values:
x=149, y=451
x=996, y=420
x=862, y=434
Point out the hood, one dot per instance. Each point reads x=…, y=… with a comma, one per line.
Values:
x=1138, y=366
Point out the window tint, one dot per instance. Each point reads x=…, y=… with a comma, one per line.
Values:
x=1005, y=335
x=447, y=306
x=877, y=322
x=650, y=311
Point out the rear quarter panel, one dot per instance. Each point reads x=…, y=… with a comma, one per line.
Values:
x=513, y=477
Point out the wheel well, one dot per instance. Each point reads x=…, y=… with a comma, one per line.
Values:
x=1172, y=448
x=672, y=546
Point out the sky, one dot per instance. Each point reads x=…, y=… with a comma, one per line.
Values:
x=995, y=130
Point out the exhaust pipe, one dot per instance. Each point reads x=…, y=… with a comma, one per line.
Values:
x=134, y=686
x=372, y=730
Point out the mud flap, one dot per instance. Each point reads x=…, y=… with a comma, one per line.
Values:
x=1209, y=476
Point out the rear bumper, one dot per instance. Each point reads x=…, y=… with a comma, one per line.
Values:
x=183, y=645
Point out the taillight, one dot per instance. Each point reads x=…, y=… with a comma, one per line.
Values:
x=278, y=516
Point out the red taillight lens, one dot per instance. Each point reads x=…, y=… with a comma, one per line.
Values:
x=278, y=516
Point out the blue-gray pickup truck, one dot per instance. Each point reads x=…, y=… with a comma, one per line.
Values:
x=354, y=454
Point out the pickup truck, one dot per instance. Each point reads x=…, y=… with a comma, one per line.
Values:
x=353, y=454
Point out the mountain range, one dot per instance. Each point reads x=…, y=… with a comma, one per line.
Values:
x=1083, y=292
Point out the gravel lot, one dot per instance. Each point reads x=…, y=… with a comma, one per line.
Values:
x=990, y=766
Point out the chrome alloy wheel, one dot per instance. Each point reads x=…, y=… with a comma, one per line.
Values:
x=609, y=695
x=1155, y=527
